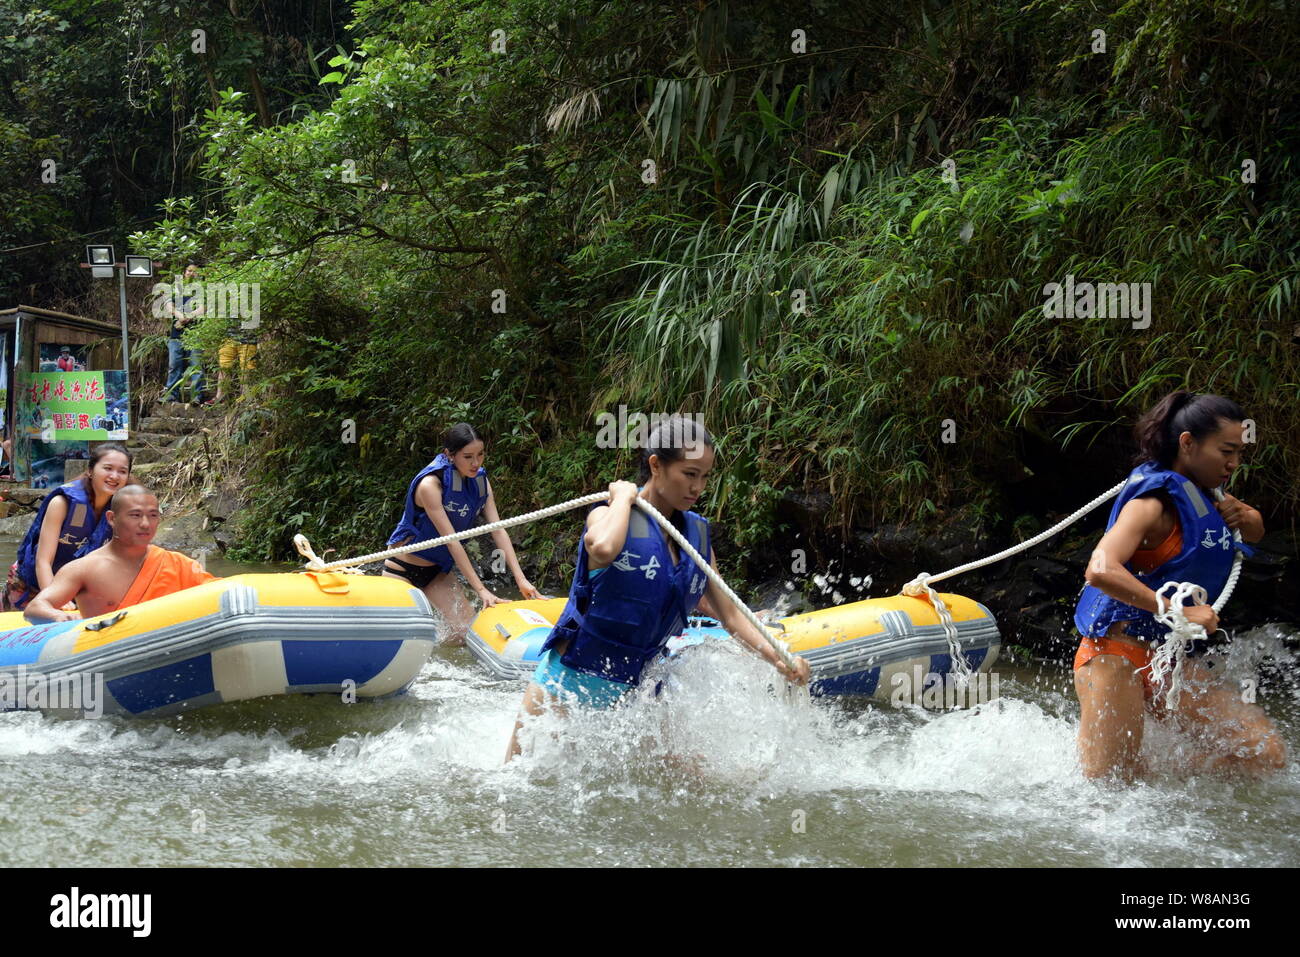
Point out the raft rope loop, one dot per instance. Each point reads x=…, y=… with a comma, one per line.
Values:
x=1171, y=611
x=1167, y=663
x=921, y=584
x=352, y=565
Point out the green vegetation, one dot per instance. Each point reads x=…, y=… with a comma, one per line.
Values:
x=802, y=268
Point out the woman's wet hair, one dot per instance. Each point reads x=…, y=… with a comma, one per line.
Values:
x=668, y=441
x=97, y=453
x=1158, y=430
x=458, y=436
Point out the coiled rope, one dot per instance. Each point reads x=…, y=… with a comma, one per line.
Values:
x=352, y=565
x=1171, y=611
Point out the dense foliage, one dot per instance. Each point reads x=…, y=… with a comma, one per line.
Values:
x=826, y=227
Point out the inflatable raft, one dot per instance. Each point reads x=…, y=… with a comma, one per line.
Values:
x=872, y=648
x=227, y=640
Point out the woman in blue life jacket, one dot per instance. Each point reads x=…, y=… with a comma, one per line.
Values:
x=631, y=589
x=70, y=522
x=447, y=496
x=1165, y=526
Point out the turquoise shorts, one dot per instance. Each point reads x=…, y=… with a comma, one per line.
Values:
x=562, y=681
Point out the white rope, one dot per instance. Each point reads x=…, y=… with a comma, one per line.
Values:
x=920, y=585
x=1101, y=499
x=960, y=666
x=314, y=563
x=1171, y=611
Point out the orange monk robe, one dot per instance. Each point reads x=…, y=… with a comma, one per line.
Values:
x=164, y=573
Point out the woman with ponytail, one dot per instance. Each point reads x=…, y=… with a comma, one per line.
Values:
x=632, y=590
x=445, y=497
x=1165, y=526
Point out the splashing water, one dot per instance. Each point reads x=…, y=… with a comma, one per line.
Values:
x=718, y=768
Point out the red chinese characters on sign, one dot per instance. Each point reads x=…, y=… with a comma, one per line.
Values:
x=76, y=405
x=79, y=421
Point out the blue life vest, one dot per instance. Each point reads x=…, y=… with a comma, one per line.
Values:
x=617, y=622
x=462, y=499
x=1205, y=559
x=82, y=532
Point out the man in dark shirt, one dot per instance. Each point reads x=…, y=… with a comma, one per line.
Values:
x=179, y=357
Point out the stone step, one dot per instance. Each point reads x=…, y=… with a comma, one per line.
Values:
x=176, y=425
x=149, y=470
x=26, y=496
x=149, y=455
x=156, y=439
x=188, y=409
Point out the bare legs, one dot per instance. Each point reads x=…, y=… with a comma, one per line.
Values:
x=1111, y=706
x=446, y=595
x=536, y=701
x=1237, y=736
x=1233, y=734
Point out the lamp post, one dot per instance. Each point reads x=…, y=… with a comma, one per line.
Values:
x=102, y=266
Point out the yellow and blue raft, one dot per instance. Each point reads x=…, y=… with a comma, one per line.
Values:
x=236, y=638
x=867, y=648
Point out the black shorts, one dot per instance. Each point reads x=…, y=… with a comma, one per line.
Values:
x=418, y=575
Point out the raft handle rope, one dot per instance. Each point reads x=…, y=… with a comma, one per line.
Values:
x=106, y=623
x=921, y=585
x=352, y=565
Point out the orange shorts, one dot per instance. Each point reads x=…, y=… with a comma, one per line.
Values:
x=1139, y=656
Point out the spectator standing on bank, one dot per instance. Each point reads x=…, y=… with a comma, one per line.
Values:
x=179, y=357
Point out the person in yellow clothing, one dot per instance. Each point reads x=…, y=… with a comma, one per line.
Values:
x=240, y=349
x=126, y=571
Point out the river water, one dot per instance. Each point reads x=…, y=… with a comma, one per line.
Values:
x=720, y=771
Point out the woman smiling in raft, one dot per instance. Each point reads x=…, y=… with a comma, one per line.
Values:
x=1166, y=527
x=71, y=522
x=632, y=590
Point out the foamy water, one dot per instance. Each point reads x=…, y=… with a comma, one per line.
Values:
x=720, y=769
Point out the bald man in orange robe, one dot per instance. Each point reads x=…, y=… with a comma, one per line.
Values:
x=126, y=571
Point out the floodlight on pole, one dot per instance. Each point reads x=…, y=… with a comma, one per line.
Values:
x=139, y=267
x=101, y=261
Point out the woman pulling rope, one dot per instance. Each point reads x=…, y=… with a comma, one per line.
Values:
x=1167, y=535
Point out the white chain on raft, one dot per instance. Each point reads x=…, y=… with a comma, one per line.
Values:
x=1167, y=663
x=315, y=564
x=920, y=585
